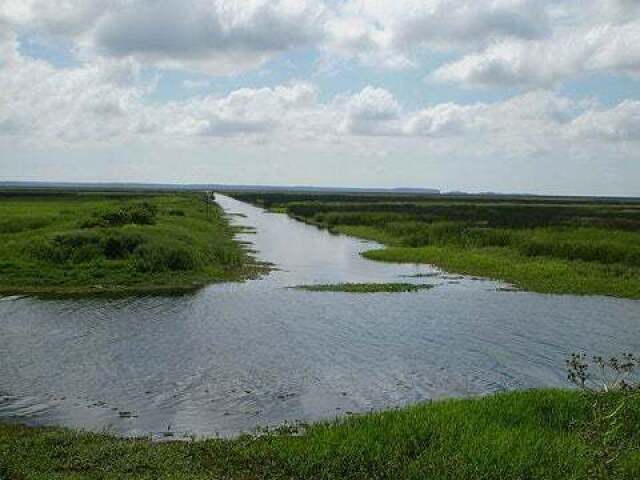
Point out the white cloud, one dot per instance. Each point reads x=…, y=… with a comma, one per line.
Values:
x=502, y=42
x=215, y=37
x=242, y=112
x=105, y=97
x=443, y=119
x=211, y=36
x=106, y=101
x=65, y=18
x=98, y=100
x=620, y=123
x=608, y=47
x=229, y=36
x=373, y=111
x=388, y=34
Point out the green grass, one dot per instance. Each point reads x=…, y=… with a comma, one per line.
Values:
x=75, y=244
x=519, y=435
x=547, y=245
x=547, y=275
x=365, y=287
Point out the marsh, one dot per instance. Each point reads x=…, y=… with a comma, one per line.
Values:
x=234, y=356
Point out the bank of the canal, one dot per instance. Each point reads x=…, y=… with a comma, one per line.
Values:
x=519, y=435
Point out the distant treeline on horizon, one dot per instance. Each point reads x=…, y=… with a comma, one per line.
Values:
x=44, y=186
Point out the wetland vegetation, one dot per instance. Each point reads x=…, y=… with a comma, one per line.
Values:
x=135, y=243
x=548, y=245
x=365, y=287
x=76, y=243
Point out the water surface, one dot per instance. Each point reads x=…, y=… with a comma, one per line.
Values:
x=235, y=356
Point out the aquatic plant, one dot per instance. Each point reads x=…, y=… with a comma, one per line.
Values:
x=365, y=287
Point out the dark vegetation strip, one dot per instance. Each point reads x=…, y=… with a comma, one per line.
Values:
x=365, y=287
x=520, y=435
x=578, y=246
x=115, y=244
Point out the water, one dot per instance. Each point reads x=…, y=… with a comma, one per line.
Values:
x=235, y=356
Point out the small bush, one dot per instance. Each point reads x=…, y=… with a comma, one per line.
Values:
x=227, y=256
x=142, y=214
x=176, y=212
x=86, y=253
x=138, y=214
x=150, y=258
x=76, y=246
x=121, y=245
x=17, y=224
x=612, y=389
x=82, y=246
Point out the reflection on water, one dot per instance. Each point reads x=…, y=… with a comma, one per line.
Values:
x=235, y=356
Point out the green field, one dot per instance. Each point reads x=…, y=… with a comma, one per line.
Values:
x=548, y=245
x=69, y=243
x=519, y=435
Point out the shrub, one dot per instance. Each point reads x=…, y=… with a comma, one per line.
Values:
x=17, y=224
x=227, y=255
x=139, y=214
x=151, y=258
x=85, y=253
x=612, y=389
x=44, y=250
x=121, y=244
x=142, y=214
x=181, y=259
x=77, y=246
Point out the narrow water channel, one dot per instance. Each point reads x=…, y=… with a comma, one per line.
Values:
x=236, y=356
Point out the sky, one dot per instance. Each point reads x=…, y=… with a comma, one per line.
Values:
x=527, y=96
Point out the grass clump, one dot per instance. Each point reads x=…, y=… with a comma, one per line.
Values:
x=548, y=245
x=152, y=258
x=519, y=435
x=143, y=213
x=113, y=243
x=365, y=287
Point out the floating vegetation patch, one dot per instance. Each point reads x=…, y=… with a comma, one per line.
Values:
x=423, y=275
x=508, y=289
x=365, y=287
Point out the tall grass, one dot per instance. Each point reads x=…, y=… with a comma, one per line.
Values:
x=509, y=436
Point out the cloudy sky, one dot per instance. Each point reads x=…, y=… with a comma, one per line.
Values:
x=538, y=96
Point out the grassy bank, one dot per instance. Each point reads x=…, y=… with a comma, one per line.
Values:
x=70, y=244
x=578, y=246
x=547, y=275
x=520, y=435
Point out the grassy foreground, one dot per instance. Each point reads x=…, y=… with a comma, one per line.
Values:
x=547, y=245
x=519, y=435
x=67, y=244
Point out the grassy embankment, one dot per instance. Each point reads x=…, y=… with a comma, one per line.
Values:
x=543, y=245
x=65, y=244
x=519, y=435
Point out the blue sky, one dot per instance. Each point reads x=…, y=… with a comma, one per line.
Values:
x=502, y=95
